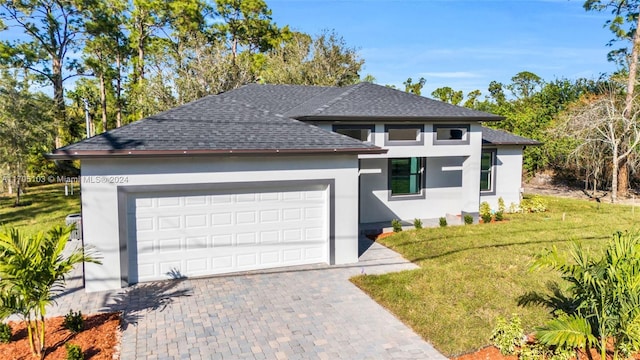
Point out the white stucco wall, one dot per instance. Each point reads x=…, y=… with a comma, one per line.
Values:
x=101, y=204
x=508, y=177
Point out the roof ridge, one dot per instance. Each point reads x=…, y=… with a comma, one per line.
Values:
x=348, y=90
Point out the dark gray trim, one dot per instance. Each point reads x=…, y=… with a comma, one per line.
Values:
x=125, y=193
x=466, y=141
x=420, y=140
x=494, y=164
x=423, y=181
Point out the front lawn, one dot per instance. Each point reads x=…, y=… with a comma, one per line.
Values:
x=42, y=207
x=469, y=275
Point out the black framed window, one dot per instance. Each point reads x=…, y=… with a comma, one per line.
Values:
x=358, y=132
x=406, y=176
x=404, y=134
x=487, y=163
x=451, y=134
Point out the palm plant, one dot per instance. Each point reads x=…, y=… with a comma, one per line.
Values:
x=32, y=271
x=605, y=296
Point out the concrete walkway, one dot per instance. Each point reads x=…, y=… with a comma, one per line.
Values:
x=308, y=312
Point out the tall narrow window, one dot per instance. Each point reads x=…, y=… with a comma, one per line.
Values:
x=486, y=170
x=406, y=176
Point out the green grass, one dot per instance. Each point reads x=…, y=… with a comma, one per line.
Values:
x=42, y=207
x=469, y=275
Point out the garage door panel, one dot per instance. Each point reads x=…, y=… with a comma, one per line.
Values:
x=200, y=234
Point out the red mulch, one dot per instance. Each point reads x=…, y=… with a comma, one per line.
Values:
x=492, y=353
x=98, y=340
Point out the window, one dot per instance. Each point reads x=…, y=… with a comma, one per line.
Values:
x=450, y=134
x=403, y=134
x=358, y=132
x=406, y=176
x=486, y=170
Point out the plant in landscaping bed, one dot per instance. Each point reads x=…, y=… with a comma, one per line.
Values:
x=32, y=272
x=485, y=212
x=501, y=207
x=468, y=219
x=417, y=223
x=74, y=352
x=533, y=204
x=74, y=322
x=443, y=221
x=537, y=351
x=507, y=335
x=499, y=216
x=396, y=225
x=604, y=297
x=5, y=333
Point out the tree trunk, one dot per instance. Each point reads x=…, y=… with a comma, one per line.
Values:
x=118, y=91
x=58, y=98
x=103, y=102
x=614, y=175
x=623, y=178
x=633, y=70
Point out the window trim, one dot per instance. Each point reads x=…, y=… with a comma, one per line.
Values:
x=465, y=141
x=491, y=171
x=419, y=141
x=422, y=180
x=371, y=128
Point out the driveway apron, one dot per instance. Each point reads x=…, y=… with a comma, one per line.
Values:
x=307, y=312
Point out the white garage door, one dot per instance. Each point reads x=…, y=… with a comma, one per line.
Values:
x=196, y=233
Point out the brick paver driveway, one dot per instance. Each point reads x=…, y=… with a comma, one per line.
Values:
x=310, y=312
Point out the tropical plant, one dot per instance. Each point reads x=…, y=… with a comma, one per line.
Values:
x=32, y=272
x=604, y=301
x=417, y=223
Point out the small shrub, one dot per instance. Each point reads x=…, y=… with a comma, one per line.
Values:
x=74, y=352
x=507, y=335
x=5, y=333
x=468, y=219
x=396, y=225
x=514, y=208
x=501, y=207
x=443, y=221
x=499, y=216
x=417, y=223
x=534, y=204
x=74, y=322
x=485, y=212
x=537, y=351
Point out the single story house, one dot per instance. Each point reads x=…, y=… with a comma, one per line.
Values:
x=277, y=175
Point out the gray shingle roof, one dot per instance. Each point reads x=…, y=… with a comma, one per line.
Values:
x=262, y=118
x=501, y=137
x=215, y=124
x=361, y=101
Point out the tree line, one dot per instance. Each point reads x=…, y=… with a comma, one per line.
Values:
x=117, y=61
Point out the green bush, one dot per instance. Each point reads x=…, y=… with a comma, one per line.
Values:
x=534, y=204
x=74, y=352
x=537, y=351
x=485, y=212
x=443, y=221
x=74, y=322
x=417, y=223
x=5, y=333
x=507, y=335
x=499, y=216
x=468, y=219
x=501, y=206
x=396, y=225
x=604, y=296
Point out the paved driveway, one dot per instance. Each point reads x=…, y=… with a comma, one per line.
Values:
x=310, y=312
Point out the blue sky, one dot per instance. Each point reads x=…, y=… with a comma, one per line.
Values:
x=464, y=44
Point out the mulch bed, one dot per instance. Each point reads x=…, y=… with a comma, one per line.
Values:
x=99, y=339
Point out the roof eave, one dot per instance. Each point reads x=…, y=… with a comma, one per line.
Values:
x=325, y=118
x=529, y=143
x=97, y=154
